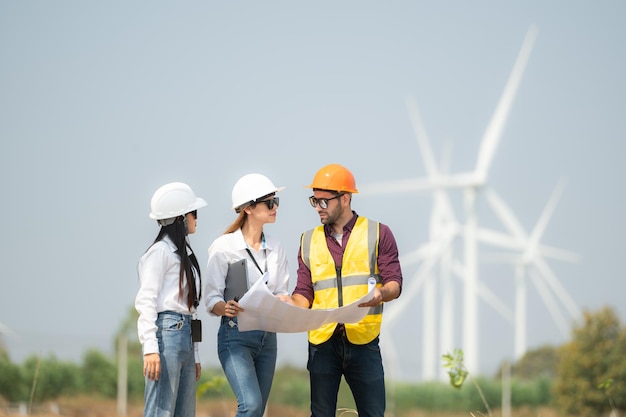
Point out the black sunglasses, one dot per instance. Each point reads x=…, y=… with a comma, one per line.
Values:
x=323, y=202
x=194, y=214
x=270, y=203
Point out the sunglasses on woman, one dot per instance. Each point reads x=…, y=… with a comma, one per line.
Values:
x=270, y=203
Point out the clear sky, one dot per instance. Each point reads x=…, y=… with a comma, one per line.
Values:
x=103, y=102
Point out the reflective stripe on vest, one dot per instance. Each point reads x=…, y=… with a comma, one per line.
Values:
x=334, y=288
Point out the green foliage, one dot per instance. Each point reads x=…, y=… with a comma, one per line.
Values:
x=438, y=397
x=430, y=396
x=533, y=392
x=213, y=384
x=136, y=381
x=128, y=329
x=457, y=372
x=606, y=386
x=345, y=400
x=99, y=375
x=594, y=356
x=11, y=387
x=537, y=363
x=291, y=387
x=49, y=378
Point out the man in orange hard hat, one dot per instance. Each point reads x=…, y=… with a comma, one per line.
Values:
x=337, y=262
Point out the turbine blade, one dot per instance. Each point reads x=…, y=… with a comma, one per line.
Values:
x=550, y=303
x=435, y=249
x=494, y=301
x=446, y=158
x=418, y=254
x=494, y=130
x=546, y=273
x=500, y=258
x=559, y=254
x=463, y=180
x=499, y=239
x=422, y=274
x=422, y=138
x=397, y=186
x=505, y=214
x=485, y=294
x=544, y=218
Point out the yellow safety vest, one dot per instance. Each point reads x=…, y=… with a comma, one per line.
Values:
x=334, y=288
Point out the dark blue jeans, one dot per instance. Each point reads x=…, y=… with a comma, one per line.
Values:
x=360, y=365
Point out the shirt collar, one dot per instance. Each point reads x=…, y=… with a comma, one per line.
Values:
x=347, y=228
x=172, y=246
x=241, y=244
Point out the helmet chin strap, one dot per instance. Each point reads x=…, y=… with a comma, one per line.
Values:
x=171, y=220
x=186, y=225
x=166, y=222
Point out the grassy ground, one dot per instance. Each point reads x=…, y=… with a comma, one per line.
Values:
x=90, y=407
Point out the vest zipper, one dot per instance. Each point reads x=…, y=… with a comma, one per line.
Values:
x=339, y=287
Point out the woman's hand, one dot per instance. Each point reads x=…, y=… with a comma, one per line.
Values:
x=152, y=366
x=232, y=308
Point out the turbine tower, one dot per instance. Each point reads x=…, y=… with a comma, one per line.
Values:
x=531, y=258
x=471, y=183
x=445, y=228
x=437, y=253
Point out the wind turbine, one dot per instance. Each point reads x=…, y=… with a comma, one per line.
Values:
x=471, y=183
x=437, y=253
x=532, y=255
x=443, y=228
x=428, y=256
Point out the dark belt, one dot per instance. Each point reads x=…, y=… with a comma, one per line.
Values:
x=340, y=330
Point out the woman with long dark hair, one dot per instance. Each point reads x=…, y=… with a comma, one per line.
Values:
x=169, y=294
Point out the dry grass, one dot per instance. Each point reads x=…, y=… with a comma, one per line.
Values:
x=91, y=407
x=522, y=412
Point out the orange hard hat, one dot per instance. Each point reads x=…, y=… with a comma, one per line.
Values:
x=334, y=177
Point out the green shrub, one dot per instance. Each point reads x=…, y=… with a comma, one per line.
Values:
x=11, y=387
x=50, y=378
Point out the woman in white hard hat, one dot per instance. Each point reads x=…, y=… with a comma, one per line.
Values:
x=169, y=294
x=248, y=358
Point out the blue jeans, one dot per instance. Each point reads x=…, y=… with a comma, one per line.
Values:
x=174, y=394
x=248, y=360
x=361, y=366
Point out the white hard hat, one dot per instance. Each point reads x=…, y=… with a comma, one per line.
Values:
x=251, y=187
x=173, y=200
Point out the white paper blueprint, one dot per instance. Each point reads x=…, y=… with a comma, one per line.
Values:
x=263, y=311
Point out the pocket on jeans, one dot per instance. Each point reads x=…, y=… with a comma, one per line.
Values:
x=172, y=324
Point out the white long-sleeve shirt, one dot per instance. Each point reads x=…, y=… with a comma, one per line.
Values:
x=159, y=270
x=231, y=247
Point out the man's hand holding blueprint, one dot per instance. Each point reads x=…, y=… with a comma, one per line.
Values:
x=264, y=311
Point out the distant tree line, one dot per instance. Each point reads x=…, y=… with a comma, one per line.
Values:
x=584, y=377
